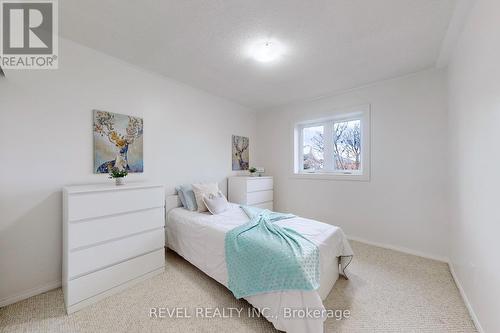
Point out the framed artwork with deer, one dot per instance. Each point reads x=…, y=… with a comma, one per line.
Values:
x=240, y=152
x=118, y=141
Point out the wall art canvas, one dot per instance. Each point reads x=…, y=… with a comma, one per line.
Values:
x=240, y=151
x=118, y=141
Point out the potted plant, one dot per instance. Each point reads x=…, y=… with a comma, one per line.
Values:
x=118, y=175
x=252, y=171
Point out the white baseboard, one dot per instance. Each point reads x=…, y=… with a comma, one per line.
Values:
x=400, y=249
x=29, y=293
x=466, y=300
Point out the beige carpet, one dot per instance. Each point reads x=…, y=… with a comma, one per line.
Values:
x=387, y=292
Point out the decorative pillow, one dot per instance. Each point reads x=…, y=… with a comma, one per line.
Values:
x=189, y=198
x=181, y=196
x=204, y=189
x=216, y=203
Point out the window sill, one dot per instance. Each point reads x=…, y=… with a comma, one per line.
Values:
x=330, y=176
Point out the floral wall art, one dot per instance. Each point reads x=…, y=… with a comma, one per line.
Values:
x=118, y=142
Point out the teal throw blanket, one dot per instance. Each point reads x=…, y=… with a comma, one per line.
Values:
x=263, y=257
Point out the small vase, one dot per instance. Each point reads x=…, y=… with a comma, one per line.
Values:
x=119, y=181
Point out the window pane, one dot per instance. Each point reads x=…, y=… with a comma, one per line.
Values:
x=347, y=145
x=313, y=148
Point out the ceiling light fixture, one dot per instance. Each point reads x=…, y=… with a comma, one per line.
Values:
x=266, y=50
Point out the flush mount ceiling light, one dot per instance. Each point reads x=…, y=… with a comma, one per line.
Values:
x=266, y=50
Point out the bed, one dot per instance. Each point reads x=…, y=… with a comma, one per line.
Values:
x=199, y=238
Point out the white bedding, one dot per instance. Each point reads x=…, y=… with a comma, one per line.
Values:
x=199, y=238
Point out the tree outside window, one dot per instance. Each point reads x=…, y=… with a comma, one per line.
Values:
x=346, y=143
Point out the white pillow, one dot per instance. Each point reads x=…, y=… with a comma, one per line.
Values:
x=204, y=189
x=216, y=203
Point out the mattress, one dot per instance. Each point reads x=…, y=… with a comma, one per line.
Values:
x=199, y=238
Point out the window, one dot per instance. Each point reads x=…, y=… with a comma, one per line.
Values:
x=334, y=147
x=313, y=148
x=347, y=145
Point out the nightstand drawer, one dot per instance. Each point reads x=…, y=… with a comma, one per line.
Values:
x=109, y=253
x=93, y=284
x=259, y=184
x=265, y=205
x=101, y=229
x=259, y=197
x=89, y=205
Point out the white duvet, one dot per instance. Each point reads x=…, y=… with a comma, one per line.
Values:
x=199, y=238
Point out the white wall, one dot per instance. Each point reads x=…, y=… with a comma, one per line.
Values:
x=474, y=109
x=46, y=142
x=404, y=205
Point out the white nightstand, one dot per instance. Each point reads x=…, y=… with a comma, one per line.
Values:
x=252, y=191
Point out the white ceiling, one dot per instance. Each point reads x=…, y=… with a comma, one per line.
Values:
x=332, y=44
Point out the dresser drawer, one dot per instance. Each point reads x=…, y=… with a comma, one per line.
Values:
x=259, y=184
x=96, y=257
x=93, y=284
x=88, y=232
x=259, y=197
x=102, y=203
x=265, y=205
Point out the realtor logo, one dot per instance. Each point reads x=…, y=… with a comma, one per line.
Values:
x=29, y=34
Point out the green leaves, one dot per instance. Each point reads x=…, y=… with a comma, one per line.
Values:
x=117, y=173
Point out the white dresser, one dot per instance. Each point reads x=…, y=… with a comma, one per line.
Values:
x=252, y=191
x=113, y=237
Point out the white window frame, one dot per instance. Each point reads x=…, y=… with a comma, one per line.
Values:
x=354, y=113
